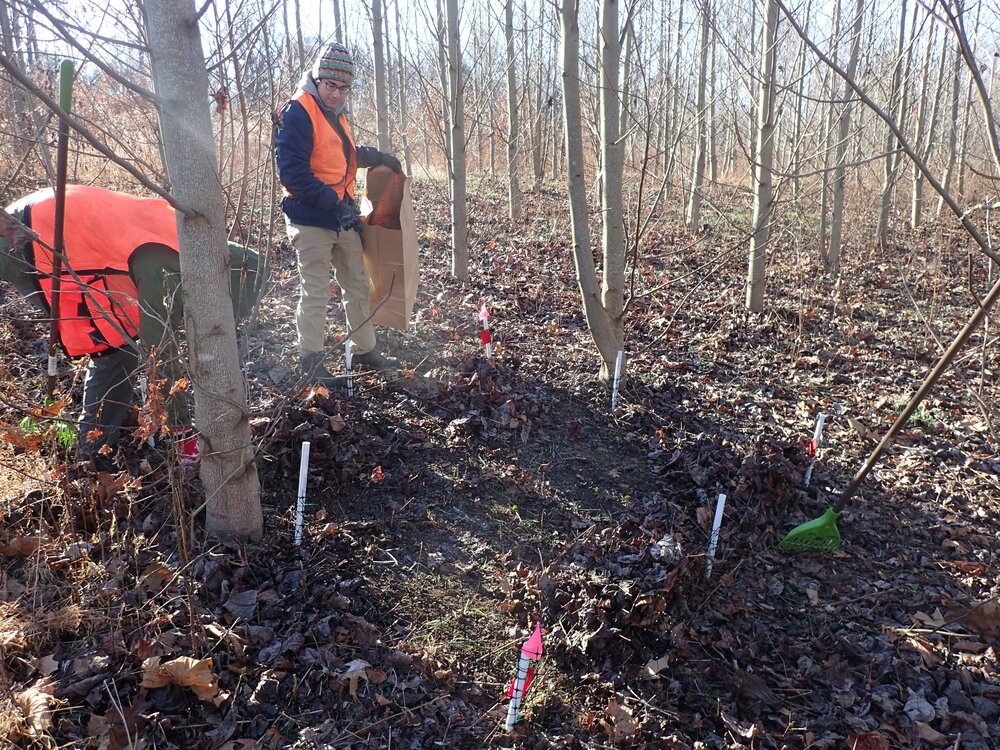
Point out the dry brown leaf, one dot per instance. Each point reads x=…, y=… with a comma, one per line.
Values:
x=32, y=710
x=184, y=671
x=10, y=589
x=20, y=546
x=868, y=741
x=968, y=568
x=922, y=647
x=931, y=621
x=859, y=427
x=623, y=725
x=241, y=744
x=928, y=734
x=985, y=618
x=46, y=664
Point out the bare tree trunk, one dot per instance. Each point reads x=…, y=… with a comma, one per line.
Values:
x=404, y=123
x=298, y=33
x=456, y=99
x=953, y=123
x=763, y=160
x=378, y=59
x=713, y=155
x=227, y=470
x=442, y=35
x=898, y=106
x=599, y=322
x=338, y=22
x=917, y=179
x=693, y=218
x=829, y=136
x=798, y=130
x=513, y=188
x=28, y=121
x=832, y=258
x=613, y=239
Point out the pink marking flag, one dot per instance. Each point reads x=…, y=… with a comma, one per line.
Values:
x=532, y=649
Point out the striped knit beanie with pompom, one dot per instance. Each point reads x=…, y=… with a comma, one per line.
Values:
x=336, y=63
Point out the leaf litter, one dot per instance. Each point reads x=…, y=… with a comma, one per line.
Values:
x=455, y=502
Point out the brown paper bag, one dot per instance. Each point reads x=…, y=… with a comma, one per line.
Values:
x=389, y=237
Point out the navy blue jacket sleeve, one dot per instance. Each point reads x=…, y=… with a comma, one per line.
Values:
x=368, y=157
x=293, y=149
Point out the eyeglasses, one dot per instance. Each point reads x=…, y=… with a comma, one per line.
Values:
x=331, y=86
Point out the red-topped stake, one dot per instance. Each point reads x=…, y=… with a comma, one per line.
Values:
x=484, y=334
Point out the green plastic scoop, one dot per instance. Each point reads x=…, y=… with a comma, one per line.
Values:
x=822, y=533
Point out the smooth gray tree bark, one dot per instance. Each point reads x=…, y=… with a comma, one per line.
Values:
x=513, y=187
x=832, y=258
x=693, y=217
x=763, y=206
x=600, y=324
x=381, y=78
x=456, y=103
x=228, y=472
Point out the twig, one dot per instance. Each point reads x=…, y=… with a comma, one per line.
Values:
x=384, y=719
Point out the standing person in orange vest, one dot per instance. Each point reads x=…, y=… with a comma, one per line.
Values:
x=118, y=283
x=317, y=162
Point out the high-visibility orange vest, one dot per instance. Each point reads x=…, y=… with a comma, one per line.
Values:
x=102, y=229
x=328, y=161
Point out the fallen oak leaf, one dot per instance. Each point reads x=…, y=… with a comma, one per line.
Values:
x=623, y=725
x=183, y=671
x=355, y=671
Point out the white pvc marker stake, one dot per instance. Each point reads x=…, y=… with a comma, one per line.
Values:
x=713, y=540
x=347, y=364
x=532, y=649
x=617, y=380
x=484, y=335
x=814, y=448
x=300, y=505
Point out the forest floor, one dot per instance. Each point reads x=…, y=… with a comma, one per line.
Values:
x=458, y=500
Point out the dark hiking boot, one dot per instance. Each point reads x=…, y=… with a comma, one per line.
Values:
x=315, y=371
x=374, y=361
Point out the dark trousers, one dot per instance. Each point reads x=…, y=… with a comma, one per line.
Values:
x=108, y=395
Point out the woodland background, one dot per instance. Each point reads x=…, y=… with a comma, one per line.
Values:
x=693, y=184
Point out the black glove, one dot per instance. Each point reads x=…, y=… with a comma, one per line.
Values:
x=388, y=160
x=347, y=215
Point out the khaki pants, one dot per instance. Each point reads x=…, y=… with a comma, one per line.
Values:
x=318, y=249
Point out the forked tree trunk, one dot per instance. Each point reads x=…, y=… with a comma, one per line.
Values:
x=456, y=101
x=763, y=205
x=600, y=324
x=513, y=187
x=228, y=472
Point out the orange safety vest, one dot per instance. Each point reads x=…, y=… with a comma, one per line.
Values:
x=328, y=161
x=102, y=229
